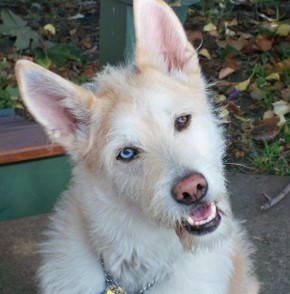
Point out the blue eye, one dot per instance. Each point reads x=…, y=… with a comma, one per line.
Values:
x=182, y=122
x=127, y=154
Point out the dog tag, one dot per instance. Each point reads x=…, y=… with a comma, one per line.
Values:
x=115, y=290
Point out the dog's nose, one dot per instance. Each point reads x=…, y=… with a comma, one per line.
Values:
x=190, y=189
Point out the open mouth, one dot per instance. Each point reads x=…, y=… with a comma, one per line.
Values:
x=203, y=219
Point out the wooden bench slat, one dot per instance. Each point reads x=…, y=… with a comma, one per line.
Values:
x=24, y=140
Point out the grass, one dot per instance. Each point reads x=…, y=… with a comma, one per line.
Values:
x=269, y=160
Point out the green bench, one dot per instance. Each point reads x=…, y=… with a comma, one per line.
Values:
x=33, y=171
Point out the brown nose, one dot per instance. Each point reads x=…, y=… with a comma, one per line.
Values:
x=190, y=189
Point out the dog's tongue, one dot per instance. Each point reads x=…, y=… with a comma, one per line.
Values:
x=201, y=212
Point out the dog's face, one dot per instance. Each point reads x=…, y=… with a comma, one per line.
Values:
x=147, y=131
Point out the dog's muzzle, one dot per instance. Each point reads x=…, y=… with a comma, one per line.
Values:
x=204, y=217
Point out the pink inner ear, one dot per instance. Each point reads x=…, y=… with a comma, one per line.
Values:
x=44, y=100
x=162, y=34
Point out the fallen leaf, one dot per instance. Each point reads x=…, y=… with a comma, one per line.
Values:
x=285, y=94
x=270, y=121
x=77, y=16
x=266, y=133
x=282, y=121
x=214, y=34
x=90, y=71
x=243, y=86
x=256, y=93
x=230, y=23
x=239, y=154
x=245, y=35
x=224, y=115
x=230, y=33
x=281, y=107
x=268, y=114
x=220, y=98
x=204, y=52
x=49, y=28
x=283, y=30
x=194, y=35
x=209, y=27
x=264, y=44
x=72, y=32
x=222, y=44
x=238, y=44
x=232, y=107
x=224, y=72
x=273, y=77
x=86, y=43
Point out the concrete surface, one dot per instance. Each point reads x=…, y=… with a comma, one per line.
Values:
x=269, y=231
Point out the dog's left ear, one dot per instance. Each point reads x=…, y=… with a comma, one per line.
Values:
x=161, y=42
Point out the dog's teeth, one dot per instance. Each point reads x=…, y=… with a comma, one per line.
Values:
x=190, y=221
x=207, y=220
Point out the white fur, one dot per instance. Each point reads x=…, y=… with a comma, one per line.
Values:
x=125, y=211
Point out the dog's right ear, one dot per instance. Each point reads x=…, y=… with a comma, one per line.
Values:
x=161, y=42
x=62, y=107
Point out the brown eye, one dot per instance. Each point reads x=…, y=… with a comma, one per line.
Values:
x=182, y=122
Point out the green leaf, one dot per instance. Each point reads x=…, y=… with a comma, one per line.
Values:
x=24, y=37
x=10, y=21
x=60, y=54
x=44, y=62
x=14, y=26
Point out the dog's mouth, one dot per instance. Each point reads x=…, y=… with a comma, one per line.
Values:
x=203, y=219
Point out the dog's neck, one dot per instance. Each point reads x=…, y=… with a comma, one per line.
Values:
x=131, y=245
x=136, y=247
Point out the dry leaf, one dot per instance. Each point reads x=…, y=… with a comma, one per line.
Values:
x=194, y=35
x=239, y=154
x=273, y=77
x=49, y=28
x=238, y=44
x=283, y=30
x=203, y=52
x=214, y=34
x=243, y=86
x=268, y=114
x=281, y=107
x=72, y=32
x=222, y=44
x=265, y=133
x=209, y=27
x=224, y=115
x=90, y=71
x=264, y=44
x=232, y=107
x=224, y=72
x=220, y=98
x=270, y=121
x=230, y=33
x=256, y=93
x=229, y=23
x=285, y=94
x=245, y=35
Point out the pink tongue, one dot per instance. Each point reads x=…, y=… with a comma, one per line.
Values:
x=201, y=212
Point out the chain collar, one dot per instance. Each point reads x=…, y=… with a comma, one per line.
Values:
x=111, y=285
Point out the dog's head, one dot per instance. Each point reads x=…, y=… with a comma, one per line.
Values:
x=147, y=131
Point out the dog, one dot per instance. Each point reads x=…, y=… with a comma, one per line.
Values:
x=147, y=209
